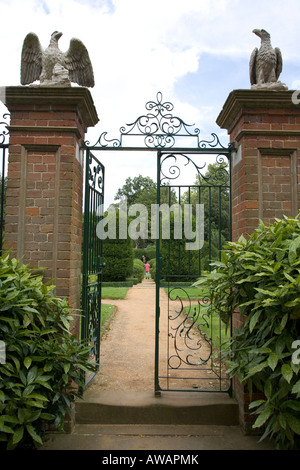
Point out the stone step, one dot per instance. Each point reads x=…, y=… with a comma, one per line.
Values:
x=135, y=438
x=116, y=408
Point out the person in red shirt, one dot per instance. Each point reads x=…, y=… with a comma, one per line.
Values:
x=147, y=269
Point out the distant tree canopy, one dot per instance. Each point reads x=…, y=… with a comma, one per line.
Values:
x=143, y=190
x=212, y=190
x=137, y=190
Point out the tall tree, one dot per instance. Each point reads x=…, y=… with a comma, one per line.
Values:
x=137, y=190
x=143, y=190
x=212, y=190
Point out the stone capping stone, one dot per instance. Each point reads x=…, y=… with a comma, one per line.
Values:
x=69, y=96
x=247, y=99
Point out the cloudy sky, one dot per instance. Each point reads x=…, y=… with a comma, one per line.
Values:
x=193, y=51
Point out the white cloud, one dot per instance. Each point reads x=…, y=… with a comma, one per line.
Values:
x=139, y=47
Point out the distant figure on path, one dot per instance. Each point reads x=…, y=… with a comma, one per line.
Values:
x=147, y=269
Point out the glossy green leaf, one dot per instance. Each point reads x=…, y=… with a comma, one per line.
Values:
x=273, y=360
x=254, y=320
x=296, y=387
x=294, y=423
x=27, y=362
x=34, y=434
x=287, y=372
x=263, y=417
x=18, y=435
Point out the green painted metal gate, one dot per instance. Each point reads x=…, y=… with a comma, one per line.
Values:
x=193, y=192
x=92, y=257
x=192, y=221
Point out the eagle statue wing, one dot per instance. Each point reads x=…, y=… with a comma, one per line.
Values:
x=252, y=66
x=279, y=62
x=79, y=65
x=31, y=59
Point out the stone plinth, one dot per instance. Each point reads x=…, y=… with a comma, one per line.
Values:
x=45, y=181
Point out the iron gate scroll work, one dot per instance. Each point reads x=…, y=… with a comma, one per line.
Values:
x=189, y=355
x=92, y=258
x=187, y=349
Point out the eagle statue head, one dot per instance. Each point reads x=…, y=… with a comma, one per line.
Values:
x=56, y=35
x=262, y=34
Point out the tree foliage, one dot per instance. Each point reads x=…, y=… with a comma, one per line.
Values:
x=143, y=190
x=138, y=190
x=212, y=190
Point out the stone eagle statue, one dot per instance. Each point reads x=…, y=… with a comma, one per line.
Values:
x=265, y=63
x=54, y=67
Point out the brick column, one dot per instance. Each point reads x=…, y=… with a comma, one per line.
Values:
x=45, y=181
x=265, y=128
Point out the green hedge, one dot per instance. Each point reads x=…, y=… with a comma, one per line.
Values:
x=152, y=263
x=118, y=256
x=118, y=284
x=148, y=252
x=138, y=270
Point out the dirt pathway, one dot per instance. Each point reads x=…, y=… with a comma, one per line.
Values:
x=127, y=350
x=128, y=347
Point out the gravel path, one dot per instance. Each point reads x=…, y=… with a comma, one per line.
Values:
x=128, y=347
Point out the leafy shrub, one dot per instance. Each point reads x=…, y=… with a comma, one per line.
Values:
x=138, y=269
x=261, y=278
x=150, y=252
x=44, y=364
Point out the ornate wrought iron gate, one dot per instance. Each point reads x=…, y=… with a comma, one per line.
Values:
x=92, y=257
x=187, y=341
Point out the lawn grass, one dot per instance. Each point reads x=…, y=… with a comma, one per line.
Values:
x=114, y=292
x=184, y=293
x=211, y=325
x=216, y=329
x=106, y=312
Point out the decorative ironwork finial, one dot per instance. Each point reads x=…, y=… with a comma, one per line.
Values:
x=159, y=126
x=157, y=129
